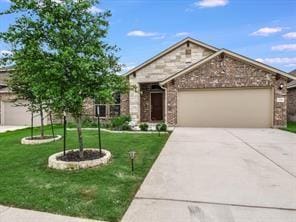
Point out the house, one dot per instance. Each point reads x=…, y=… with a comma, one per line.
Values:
x=292, y=99
x=193, y=84
x=12, y=112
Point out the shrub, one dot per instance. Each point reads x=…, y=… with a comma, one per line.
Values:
x=161, y=127
x=144, y=126
x=105, y=124
x=126, y=126
x=87, y=122
x=120, y=122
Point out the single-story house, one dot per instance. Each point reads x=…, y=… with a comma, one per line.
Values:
x=292, y=98
x=193, y=84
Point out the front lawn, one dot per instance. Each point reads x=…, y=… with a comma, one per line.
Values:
x=102, y=193
x=291, y=127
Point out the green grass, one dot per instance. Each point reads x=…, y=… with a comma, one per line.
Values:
x=101, y=193
x=291, y=127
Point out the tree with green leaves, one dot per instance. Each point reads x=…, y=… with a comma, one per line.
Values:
x=79, y=62
x=27, y=60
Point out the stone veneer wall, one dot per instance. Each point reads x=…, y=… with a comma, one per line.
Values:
x=145, y=103
x=292, y=104
x=228, y=73
x=134, y=99
x=89, y=107
x=161, y=69
x=124, y=104
x=171, y=63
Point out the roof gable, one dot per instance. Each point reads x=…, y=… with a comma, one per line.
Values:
x=170, y=49
x=231, y=54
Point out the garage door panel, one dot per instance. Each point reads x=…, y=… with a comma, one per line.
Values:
x=15, y=115
x=225, y=108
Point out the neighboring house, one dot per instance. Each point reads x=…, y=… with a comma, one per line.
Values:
x=292, y=99
x=194, y=84
x=11, y=111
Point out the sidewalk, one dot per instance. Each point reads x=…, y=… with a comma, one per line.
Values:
x=10, y=214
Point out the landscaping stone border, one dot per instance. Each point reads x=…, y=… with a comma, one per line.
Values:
x=122, y=131
x=64, y=165
x=28, y=141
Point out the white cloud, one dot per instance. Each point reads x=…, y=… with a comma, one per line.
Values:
x=95, y=10
x=266, y=31
x=291, y=65
x=211, y=3
x=278, y=60
x=284, y=47
x=140, y=33
x=290, y=35
x=182, y=34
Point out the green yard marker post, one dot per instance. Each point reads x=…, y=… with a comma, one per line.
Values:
x=65, y=131
x=32, y=124
x=99, y=129
x=52, y=130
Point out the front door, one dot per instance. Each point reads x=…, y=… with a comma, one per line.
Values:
x=156, y=106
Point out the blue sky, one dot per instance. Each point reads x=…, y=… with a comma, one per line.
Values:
x=260, y=29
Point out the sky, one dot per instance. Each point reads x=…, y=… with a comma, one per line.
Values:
x=264, y=30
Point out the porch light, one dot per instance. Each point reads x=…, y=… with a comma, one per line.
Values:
x=281, y=86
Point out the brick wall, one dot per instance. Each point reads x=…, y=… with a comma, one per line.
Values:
x=228, y=73
x=291, y=104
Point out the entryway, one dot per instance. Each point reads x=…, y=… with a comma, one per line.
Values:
x=156, y=106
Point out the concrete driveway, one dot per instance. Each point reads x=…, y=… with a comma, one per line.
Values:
x=4, y=129
x=225, y=175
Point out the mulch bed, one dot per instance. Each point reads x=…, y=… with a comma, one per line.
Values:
x=87, y=155
x=41, y=138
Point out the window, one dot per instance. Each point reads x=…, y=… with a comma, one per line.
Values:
x=102, y=110
x=110, y=110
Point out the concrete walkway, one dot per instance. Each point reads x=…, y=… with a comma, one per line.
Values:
x=4, y=129
x=220, y=175
x=9, y=214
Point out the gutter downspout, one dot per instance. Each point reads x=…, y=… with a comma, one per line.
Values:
x=165, y=102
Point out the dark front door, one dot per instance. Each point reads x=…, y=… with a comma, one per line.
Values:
x=156, y=106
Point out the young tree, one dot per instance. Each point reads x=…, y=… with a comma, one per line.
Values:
x=81, y=63
x=28, y=62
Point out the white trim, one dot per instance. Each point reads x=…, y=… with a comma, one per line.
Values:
x=168, y=50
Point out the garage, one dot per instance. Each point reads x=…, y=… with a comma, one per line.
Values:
x=14, y=115
x=225, y=108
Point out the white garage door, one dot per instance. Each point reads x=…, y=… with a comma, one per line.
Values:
x=225, y=108
x=14, y=115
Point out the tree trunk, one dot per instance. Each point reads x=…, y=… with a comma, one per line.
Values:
x=80, y=139
x=41, y=122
